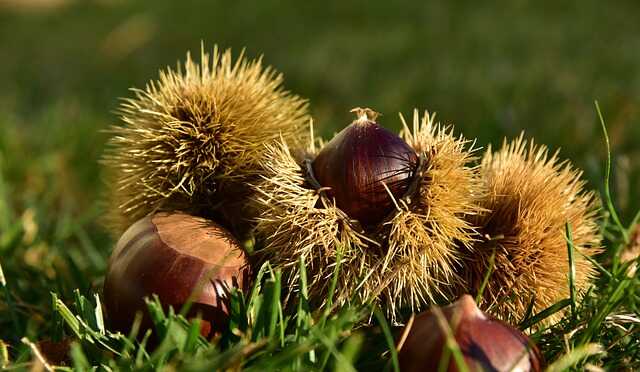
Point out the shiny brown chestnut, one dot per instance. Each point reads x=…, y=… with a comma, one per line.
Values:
x=358, y=162
x=486, y=344
x=179, y=257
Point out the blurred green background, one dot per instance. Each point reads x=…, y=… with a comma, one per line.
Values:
x=493, y=69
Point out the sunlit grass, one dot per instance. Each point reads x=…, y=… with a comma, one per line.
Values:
x=508, y=69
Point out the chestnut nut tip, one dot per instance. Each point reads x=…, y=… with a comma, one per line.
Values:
x=365, y=114
x=487, y=344
x=364, y=168
x=179, y=258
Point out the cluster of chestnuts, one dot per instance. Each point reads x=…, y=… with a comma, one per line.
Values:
x=210, y=155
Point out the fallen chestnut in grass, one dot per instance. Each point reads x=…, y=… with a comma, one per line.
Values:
x=359, y=162
x=486, y=344
x=179, y=257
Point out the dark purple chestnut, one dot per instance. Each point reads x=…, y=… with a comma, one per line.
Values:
x=486, y=344
x=358, y=162
x=175, y=256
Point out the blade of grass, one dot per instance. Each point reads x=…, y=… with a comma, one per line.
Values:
x=3, y=280
x=607, y=191
x=37, y=354
x=79, y=324
x=329, y=305
x=341, y=361
x=98, y=314
x=334, y=279
x=207, y=278
x=5, y=211
x=135, y=326
x=350, y=352
x=597, y=264
x=388, y=338
x=405, y=332
x=609, y=303
x=78, y=358
x=327, y=353
x=85, y=309
x=257, y=284
x=274, y=297
x=10, y=305
x=193, y=335
x=545, y=313
x=267, y=316
x=238, y=319
x=93, y=253
x=4, y=355
x=452, y=347
x=303, y=315
x=487, y=275
x=634, y=221
x=142, y=354
x=281, y=322
x=572, y=269
x=275, y=362
x=68, y=317
x=571, y=359
x=445, y=358
x=58, y=322
x=529, y=311
x=157, y=314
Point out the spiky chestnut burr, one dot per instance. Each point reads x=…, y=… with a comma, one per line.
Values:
x=405, y=260
x=530, y=198
x=193, y=139
x=486, y=344
x=179, y=258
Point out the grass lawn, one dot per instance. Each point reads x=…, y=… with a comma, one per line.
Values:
x=492, y=70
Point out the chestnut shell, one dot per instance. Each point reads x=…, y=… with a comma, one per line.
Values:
x=357, y=164
x=487, y=344
x=174, y=255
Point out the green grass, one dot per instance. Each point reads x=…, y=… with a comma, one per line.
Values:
x=492, y=70
x=52, y=266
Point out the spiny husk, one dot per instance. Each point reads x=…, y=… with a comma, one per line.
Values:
x=421, y=238
x=531, y=197
x=406, y=261
x=192, y=139
x=295, y=228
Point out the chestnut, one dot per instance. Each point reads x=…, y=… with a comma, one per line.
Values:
x=486, y=344
x=178, y=257
x=362, y=165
